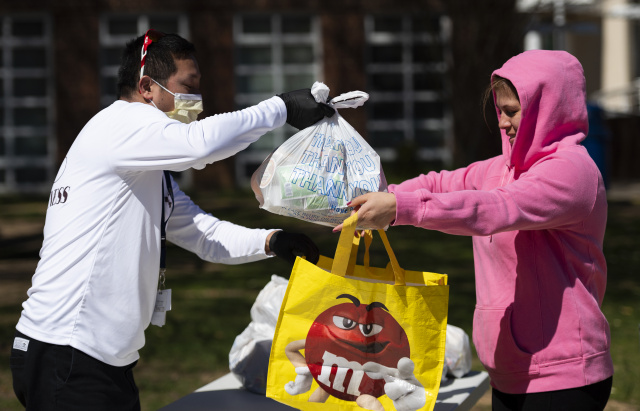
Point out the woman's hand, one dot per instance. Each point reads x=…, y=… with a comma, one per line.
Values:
x=375, y=210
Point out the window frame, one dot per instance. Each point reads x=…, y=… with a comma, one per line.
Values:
x=10, y=162
x=407, y=39
x=277, y=69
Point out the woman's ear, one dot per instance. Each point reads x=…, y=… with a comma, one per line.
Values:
x=144, y=88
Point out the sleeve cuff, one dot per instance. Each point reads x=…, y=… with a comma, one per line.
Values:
x=262, y=235
x=408, y=208
x=282, y=110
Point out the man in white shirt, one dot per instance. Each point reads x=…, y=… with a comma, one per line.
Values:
x=96, y=285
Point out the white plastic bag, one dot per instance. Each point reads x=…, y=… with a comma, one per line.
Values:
x=457, y=354
x=249, y=354
x=316, y=172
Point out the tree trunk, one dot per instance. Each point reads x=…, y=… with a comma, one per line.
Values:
x=484, y=35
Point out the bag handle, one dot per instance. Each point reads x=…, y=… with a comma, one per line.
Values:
x=368, y=238
x=345, y=256
x=398, y=272
x=352, y=99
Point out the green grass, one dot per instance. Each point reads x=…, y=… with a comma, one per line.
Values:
x=622, y=300
x=211, y=302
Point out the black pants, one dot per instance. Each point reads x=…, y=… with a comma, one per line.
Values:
x=592, y=397
x=50, y=377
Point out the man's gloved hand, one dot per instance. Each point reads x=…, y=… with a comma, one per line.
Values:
x=303, y=110
x=289, y=245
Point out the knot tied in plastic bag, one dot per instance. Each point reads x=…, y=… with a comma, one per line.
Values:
x=315, y=173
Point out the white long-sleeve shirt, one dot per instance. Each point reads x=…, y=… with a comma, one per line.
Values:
x=96, y=281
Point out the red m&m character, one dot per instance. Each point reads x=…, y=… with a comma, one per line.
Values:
x=354, y=351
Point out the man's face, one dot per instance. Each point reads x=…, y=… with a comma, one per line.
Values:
x=185, y=80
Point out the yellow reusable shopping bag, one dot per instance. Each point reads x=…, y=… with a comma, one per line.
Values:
x=353, y=337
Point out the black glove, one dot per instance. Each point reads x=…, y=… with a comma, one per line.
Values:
x=289, y=245
x=303, y=110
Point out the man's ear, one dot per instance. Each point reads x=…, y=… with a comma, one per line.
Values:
x=144, y=88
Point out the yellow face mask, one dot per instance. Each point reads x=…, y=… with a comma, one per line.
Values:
x=186, y=106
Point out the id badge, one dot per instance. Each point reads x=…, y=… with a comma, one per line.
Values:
x=163, y=304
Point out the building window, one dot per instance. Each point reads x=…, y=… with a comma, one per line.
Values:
x=273, y=53
x=115, y=31
x=27, y=138
x=406, y=69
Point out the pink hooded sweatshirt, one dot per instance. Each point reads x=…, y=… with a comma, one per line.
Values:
x=537, y=215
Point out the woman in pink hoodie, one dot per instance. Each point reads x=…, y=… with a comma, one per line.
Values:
x=537, y=214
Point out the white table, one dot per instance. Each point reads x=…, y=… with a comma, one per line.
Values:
x=226, y=393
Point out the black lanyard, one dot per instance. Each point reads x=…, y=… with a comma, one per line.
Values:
x=163, y=225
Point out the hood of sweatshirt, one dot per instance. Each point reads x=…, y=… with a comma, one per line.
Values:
x=552, y=92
